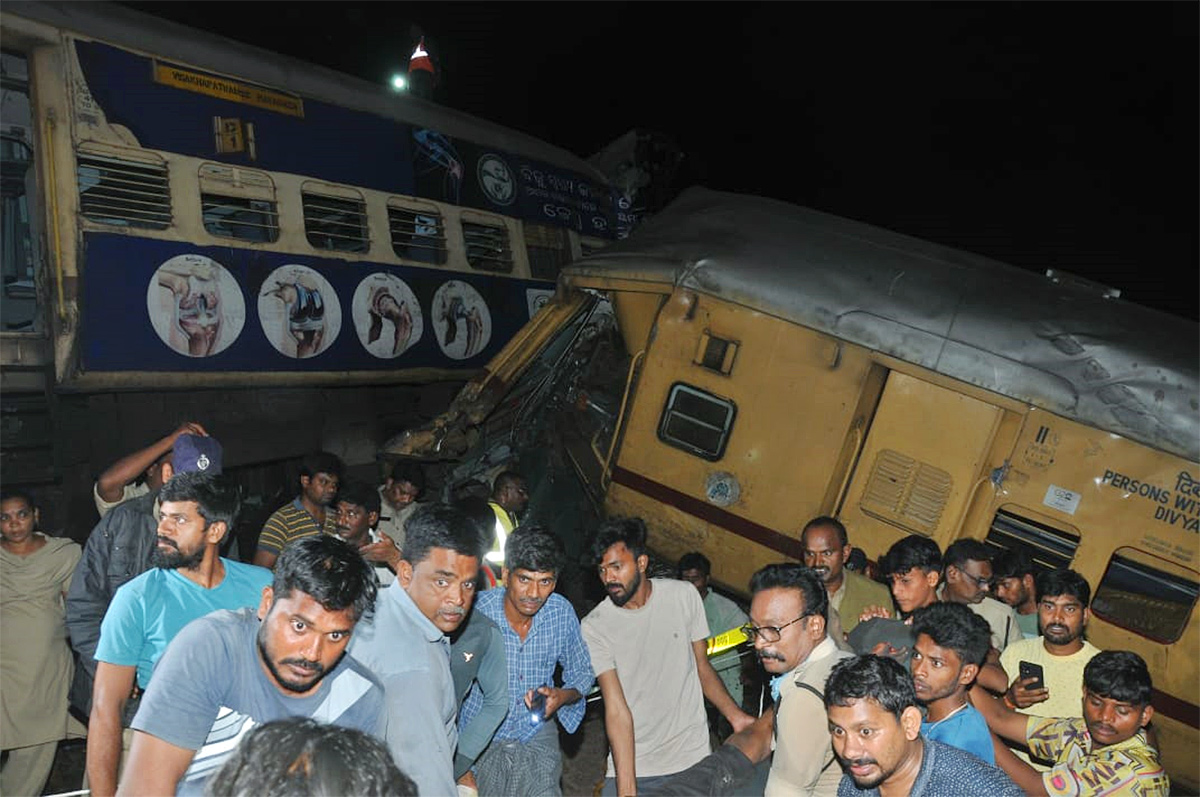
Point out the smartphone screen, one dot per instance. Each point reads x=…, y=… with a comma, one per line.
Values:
x=1030, y=670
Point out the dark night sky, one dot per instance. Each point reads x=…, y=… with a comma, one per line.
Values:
x=1043, y=134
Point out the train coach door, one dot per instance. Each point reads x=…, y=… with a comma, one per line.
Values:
x=19, y=242
x=924, y=457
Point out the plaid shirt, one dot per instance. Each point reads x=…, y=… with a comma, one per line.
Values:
x=553, y=638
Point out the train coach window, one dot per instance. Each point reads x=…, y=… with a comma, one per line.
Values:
x=238, y=203
x=696, y=421
x=418, y=233
x=488, y=247
x=549, y=250
x=1049, y=548
x=1138, y=593
x=335, y=218
x=123, y=188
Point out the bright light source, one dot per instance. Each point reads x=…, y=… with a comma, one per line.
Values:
x=399, y=82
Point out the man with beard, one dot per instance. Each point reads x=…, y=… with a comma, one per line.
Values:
x=1013, y=575
x=189, y=580
x=876, y=728
x=647, y=642
x=229, y=671
x=1061, y=650
x=540, y=633
x=307, y=515
x=405, y=643
x=356, y=516
x=826, y=549
x=1104, y=752
x=952, y=643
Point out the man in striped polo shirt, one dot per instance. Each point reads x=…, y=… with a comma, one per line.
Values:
x=307, y=515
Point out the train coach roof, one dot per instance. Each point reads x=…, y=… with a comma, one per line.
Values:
x=1107, y=363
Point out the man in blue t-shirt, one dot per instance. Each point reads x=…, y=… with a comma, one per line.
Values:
x=951, y=644
x=229, y=671
x=189, y=579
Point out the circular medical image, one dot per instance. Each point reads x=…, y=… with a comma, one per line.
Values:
x=195, y=305
x=299, y=312
x=461, y=321
x=386, y=315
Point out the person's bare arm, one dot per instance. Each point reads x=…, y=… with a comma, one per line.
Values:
x=618, y=725
x=1001, y=719
x=715, y=690
x=154, y=767
x=111, y=689
x=755, y=740
x=1025, y=776
x=111, y=483
x=991, y=675
x=264, y=558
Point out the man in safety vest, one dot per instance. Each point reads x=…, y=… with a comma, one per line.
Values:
x=510, y=495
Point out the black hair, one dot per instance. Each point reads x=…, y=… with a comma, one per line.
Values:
x=534, y=548
x=359, y=494
x=472, y=488
x=320, y=462
x=1012, y=563
x=870, y=677
x=215, y=495
x=11, y=493
x=857, y=560
x=480, y=512
x=789, y=575
x=628, y=530
x=1050, y=583
x=1119, y=675
x=695, y=561
x=504, y=479
x=440, y=526
x=909, y=552
x=831, y=522
x=329, y=571
x=408, y=471
x=300, y=757
x=954, y=626
x=966, y=550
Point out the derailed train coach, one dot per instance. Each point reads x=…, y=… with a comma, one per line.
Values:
x=739, y=365
x=199, y=229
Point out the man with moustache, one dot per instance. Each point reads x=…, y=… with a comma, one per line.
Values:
x=540, y=633
x=1104, y=752
x=1014, y=575
x=967, y=578
x=399, y=494
x=356, y=515
x=952, y=643
x=229, y=671
x=405, y=643
x=307, y=515
x=826, y=549
x=876, y=728
x=787, y=615
x=647, y=642
x=189, y=579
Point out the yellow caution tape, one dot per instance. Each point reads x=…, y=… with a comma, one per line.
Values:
x=726, y=641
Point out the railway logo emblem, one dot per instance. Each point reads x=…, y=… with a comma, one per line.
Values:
x=496, y=180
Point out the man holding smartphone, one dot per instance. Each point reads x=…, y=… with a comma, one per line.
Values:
x=1060, y=652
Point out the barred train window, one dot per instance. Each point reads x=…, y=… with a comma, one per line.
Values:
x=238, y=203
x=696, y=421
x=1049, y=548
x=123, y=188
x=548, y=248
x=1139, y=594
x=488, y=247
x=335, y=218
x=418, y=233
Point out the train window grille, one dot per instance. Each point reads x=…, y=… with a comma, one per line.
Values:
x=696, y=421
x=1145, y=599
x=548, y=248
x=238, y=203
x=123, y=191
x=335, y=223
x=1050, y=548
x=488, y=247
x=417, y=233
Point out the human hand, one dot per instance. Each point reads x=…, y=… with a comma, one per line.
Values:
x=1022, y=696
x=385, y=551
x=741, y=721
x=874, y=611
x=188, y=427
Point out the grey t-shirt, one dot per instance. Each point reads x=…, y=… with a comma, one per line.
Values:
x=209, y=690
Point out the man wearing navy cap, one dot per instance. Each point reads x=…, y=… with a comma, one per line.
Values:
x=119, y=549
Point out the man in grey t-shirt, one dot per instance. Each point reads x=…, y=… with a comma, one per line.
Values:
x=230, y=671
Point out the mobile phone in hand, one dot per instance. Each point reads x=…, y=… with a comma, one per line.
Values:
x=1030, y=670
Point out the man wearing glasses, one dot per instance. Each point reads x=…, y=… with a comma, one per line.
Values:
x=967, y=571
x=787, y=627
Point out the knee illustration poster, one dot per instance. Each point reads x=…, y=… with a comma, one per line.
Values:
x=299, y=311
x=386, y=315
x=195, y=305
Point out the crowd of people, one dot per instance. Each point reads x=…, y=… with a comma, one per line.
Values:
x=378, y=644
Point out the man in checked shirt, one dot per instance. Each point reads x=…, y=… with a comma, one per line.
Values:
x=540, y=630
